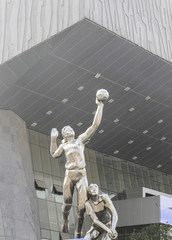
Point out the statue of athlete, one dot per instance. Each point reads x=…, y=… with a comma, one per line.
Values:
x=103, y=214
x=75, y=175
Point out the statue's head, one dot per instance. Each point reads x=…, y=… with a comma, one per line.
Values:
x=67, y=131
x=93, y=190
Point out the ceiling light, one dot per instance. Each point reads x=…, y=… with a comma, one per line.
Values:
x=79, y=124
x=134, y=158
x=147, y=98
x=130, y=142
x=171, y=157
x=80, y=88
x=34, y=124
x=49, y=112
x=116, y=152
x=163, y=138
x=116, y=120
x=127, y=89
x=131, y=109
x=111, y=100
x=148, y=148
x=101, y=131
x=97, y=75
x=64, y=100
x=145, y=131
x=160, y=121
x=159, y=166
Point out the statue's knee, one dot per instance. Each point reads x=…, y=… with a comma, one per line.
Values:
x=80, y=212
x=66, y=207
x=81, y=206
x=67, y=200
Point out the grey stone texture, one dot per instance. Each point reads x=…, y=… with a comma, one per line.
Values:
x=19, y=218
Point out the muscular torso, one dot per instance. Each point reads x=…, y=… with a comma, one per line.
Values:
x=74, y=153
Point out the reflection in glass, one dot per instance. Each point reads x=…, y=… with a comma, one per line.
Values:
x=40, y=194
x=165, y=210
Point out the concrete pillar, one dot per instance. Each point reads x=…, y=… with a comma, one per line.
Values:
x=18, y=206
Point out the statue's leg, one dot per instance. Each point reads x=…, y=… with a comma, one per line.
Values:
x=103, y=236
x=68, y=189
x=81, y=187
x=91, y=234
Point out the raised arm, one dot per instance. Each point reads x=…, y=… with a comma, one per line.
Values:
x=96, y=122
x=55, y=151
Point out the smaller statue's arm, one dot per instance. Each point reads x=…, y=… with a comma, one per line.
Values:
x=112, y=210
x=96, y=122
x=95, y=220
x=55, y=151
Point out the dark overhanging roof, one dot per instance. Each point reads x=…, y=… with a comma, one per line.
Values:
x=139, y=84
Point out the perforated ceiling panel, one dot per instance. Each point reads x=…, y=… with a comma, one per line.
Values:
x=58, y=76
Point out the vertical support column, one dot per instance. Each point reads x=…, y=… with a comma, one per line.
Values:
x=18, y=206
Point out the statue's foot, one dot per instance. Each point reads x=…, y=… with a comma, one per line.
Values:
x=78, y=234
x=64, y=226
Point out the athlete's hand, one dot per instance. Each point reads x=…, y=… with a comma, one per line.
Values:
x=99, y=102
x=54, y=133
x=113, y=234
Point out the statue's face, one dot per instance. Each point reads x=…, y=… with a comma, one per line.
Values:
x=93, y=189
x=67, y=131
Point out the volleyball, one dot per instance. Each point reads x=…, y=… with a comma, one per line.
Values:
x=102, y=95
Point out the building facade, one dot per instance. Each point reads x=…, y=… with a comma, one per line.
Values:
x=31, y=180
x=115, y=177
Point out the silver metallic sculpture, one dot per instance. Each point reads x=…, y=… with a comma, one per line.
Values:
x=103, y=214
x=75, y=175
